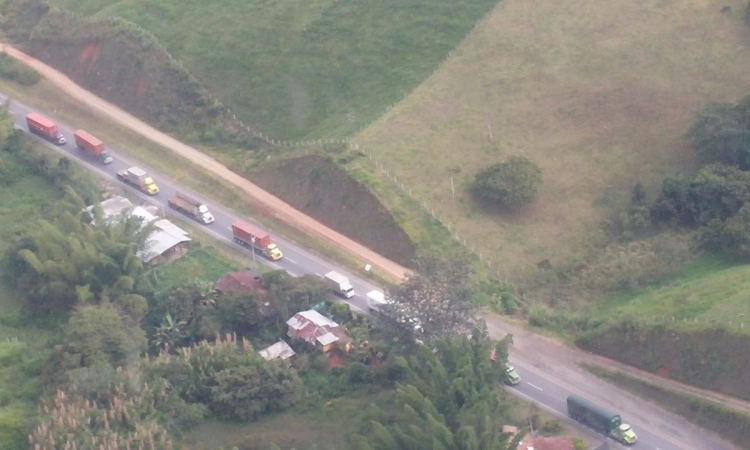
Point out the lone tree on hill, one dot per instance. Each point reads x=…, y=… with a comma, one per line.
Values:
x=511, y=184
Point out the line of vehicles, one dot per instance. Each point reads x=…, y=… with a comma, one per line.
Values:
x=244, y=233
x=252, y=237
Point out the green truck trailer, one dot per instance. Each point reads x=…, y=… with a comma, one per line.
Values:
x=601, y=420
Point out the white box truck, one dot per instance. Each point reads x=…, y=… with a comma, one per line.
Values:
x=339, y=284
x=376, y=301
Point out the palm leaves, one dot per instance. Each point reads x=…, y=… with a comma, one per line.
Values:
x=66, y=262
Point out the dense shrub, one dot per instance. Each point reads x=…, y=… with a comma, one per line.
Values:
x=510, y=184
x=229, y=377
x=15, y=71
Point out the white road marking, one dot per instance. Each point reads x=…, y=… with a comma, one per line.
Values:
x=316, y=273
x=535, y=386
x=356, y=295
x=291, y=260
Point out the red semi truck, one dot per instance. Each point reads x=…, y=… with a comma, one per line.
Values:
x=251, y=236
x=86, y=142
x=45, y=128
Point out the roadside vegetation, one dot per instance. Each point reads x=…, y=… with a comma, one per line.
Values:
x=729, y=424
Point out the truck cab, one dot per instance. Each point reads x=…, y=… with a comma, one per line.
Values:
x=105, y=157
x=273, y=252
x=511, y=376
x=205, y=214
x=149, y=186
x=625, y=434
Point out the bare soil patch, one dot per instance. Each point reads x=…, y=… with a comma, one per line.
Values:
x=319, y=188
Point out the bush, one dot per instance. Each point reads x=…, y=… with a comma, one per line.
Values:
x=320, y=362
x=341, y=312
x=15, y=71
x=357, y=373
x=511, y=184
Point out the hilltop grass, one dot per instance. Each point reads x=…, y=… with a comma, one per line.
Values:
x=601, y=101
x=303, y=69
x=712, y=289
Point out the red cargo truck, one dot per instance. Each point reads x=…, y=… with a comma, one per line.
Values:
x=251, y=236
x=45, y=128
x=86, y=142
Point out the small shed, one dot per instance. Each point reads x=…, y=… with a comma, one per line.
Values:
x=280, y=350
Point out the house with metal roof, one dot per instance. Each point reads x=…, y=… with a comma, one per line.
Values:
x=165, y=243
x=318, y=331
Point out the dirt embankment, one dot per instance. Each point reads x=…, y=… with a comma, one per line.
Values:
x=118, y=61
x=713, y=359
x=319, y=188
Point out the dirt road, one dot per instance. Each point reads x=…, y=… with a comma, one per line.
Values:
x=266, y=200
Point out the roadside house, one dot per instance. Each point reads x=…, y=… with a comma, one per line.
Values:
x=166, y=242
x=318, y=331
x=244, y=282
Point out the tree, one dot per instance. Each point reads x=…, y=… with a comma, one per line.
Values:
x=98, y=335
x=732, y=236
x=248, y=391
x=447, y=400
x=721, y=134
x=716, y=192
x=67, y=262
x=440, y=295
x=229, y=377
x=511, y=184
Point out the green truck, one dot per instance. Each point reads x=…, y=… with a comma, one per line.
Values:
x=601, y=420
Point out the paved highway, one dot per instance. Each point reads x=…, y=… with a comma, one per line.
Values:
x=545, y=385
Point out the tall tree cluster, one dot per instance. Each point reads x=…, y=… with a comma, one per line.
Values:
x=447, y=400
x=229, y=377
x=713, y=201
x=64, y=262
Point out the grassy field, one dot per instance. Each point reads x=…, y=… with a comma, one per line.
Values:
x=710, y=289
x=599, y=100
x=200, y=264
x=303, y=69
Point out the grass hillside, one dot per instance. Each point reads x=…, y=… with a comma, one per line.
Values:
x=599, y=94
x=710, y=290
x=303, y=69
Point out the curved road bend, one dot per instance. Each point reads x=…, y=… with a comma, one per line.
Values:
x=548, y=374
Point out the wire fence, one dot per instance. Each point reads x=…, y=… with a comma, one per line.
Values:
x=740, y=323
